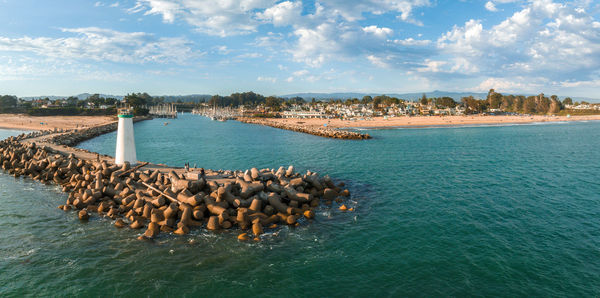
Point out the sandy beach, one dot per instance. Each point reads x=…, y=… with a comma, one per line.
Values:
x=25, y=122
x=405, y=121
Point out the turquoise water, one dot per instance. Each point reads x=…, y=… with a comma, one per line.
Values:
x=494, y=211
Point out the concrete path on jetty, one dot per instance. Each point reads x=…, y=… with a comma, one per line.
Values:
x=45, y=140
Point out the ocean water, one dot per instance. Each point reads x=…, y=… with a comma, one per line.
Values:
x=486, y=211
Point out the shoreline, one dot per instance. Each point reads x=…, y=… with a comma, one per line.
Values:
x=35, y=123
x=342, y=129
x=498, y=124
x=424, y=121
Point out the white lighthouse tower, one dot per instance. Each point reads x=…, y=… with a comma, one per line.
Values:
x=125, y=140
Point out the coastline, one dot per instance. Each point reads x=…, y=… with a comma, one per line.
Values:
x=33, y=123
x=425, y=121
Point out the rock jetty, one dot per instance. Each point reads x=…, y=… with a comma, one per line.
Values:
x=168, y=200
x=76, y=136
x=317, y=131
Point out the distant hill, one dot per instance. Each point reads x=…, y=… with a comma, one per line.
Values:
x=187, y=98
x=81, y=96
x=411, y=96
x=86, y=95
x=406, y=96
x=318, y=96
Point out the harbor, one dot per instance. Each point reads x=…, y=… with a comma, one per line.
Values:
x=168, y=111
x=217, y=113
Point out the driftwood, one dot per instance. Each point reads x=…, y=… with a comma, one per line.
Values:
x=160, y=192
x=133, y=169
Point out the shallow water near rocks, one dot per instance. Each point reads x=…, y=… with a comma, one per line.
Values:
x=503, y=210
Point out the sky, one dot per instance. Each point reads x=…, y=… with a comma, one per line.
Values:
x=172, y=47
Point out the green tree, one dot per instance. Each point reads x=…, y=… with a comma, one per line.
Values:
x=555, y=106
x=72, y=101
x=567, y=101
x=445, y=101
x=377, y=100
x=494, y=99
x=8, y=101
x=366, y=99
x=542, y=104
x=273, y=103
x=137, y=99
x=424, y=100
x=529, y=105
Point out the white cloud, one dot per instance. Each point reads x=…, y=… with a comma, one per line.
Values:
x=223, y=18
x=579, y=84
x=379, y=32
x=168, y=9
x=490, y=6
x=515, y=85
x=315, y=45
x=378, y=61
x=330, y=31
x=433, y=66
x=290, y=79
x=139, y=7
x=284, y=13
x=267, y=79
x=20, y=67
x=353, y=10
x=412, y=42
x=555, y=40
x=300, y=73
x=104, y=45
x=223, y=50
x=98, y=4
x=249, y=55
x=116, y=4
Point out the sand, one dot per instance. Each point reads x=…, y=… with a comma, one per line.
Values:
x=25, y=122
x=417, y=121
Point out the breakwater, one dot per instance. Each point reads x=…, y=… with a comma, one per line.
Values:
x=317, y=131
x=76, y=136
x=161, y=199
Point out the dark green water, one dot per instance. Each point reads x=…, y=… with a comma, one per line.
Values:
x=491, y=211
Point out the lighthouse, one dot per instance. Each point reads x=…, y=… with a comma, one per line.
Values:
x=125, y=140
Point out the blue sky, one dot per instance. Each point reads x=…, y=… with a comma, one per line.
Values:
x=65, y=47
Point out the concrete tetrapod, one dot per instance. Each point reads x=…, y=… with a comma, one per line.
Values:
x=165, y=201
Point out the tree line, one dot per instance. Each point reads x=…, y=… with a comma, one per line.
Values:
x=494, y=102
x=538, y=104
